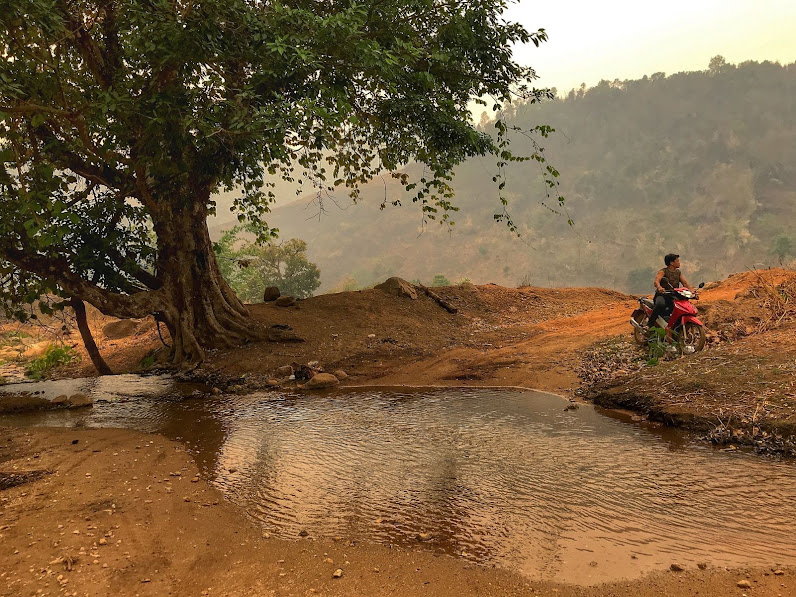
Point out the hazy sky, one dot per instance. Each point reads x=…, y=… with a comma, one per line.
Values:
x=626, y=39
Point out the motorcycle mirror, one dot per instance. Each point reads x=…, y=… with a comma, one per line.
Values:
x=701, y=285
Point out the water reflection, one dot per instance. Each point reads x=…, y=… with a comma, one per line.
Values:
x=502, y=477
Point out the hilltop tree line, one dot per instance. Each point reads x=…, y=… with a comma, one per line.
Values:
x=698, y=163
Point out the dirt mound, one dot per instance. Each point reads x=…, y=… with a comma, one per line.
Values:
x=748, y=303
x=735, y=285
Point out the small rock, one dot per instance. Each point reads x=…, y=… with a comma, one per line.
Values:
x=340, y=374
x=779, y=572
x=371, y=336
x=702, y=566
x=62, y=399
x=103, y=541
x=232, y=469
x=285, y=371
x=744, y=584
x=675, y=567
x=338, y=573
x=272, y=383
x=271, y=293
x=303, y=533
x=215, y=391
x=302, y=372
x=285, y=301
x=397, y=287
x=320, y=381
x=423, y=536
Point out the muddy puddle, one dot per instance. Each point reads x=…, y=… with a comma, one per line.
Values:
x=505, y=478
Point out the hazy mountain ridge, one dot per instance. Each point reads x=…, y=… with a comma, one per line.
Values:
x=711, y=154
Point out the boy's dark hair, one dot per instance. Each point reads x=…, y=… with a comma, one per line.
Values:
x=670, y=258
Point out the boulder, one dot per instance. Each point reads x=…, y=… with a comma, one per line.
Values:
x=320, y=381
x=78, y=400
x=340, y=374
x=285, y=301
x=123, y=328
x=397, y=287
x=271, y=294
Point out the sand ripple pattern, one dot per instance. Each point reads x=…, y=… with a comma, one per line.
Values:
x=498, y=477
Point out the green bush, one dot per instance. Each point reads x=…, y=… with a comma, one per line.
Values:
x=55, y=356
x=440, y=280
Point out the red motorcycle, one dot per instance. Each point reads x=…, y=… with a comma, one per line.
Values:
x=681, y=325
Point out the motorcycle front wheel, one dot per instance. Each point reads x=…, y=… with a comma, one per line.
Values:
x=693, y=338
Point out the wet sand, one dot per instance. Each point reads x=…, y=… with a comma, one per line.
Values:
x=124, y=513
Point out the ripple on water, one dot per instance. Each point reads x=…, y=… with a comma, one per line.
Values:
x=505, y=477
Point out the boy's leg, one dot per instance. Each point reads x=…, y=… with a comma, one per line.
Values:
x=658, y=308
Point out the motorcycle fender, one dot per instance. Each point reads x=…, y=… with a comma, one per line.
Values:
x=691, y=319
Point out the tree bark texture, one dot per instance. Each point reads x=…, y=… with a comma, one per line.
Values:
x=187, y=291
x=199, y=308
x=88, y=340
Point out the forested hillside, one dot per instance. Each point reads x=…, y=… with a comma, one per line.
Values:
x=700, y=163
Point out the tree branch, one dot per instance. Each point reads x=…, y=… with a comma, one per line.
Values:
x=57, y=270
x=87, y=47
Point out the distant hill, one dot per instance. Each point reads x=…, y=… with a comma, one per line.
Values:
x=700, y=163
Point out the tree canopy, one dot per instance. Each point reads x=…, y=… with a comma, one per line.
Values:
x=250, y=268
x=119, y=119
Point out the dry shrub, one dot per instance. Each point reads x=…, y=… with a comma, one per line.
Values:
x=777, y=300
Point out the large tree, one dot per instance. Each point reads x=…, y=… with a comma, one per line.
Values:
x=119, y=120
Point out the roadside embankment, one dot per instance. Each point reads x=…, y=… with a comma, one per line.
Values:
x=741, y=391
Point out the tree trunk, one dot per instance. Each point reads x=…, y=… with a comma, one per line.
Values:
x=201, y=311
x=88, y=340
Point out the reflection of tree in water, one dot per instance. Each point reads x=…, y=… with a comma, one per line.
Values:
x=195, y=423
x=507, y=478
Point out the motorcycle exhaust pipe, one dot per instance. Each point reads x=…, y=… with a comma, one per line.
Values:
x=636, y=325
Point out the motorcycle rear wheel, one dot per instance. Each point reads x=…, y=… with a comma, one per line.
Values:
x=694, y=336
x=639, y=336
